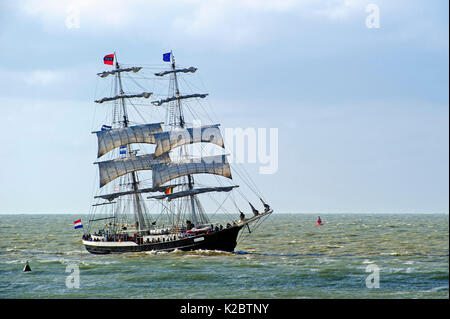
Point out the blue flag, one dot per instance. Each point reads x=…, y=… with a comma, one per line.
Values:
x=123, y=149
x=166, y=57
x=106, y=127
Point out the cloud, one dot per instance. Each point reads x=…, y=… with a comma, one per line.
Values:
x=225, y=24
x=37, y=77
x=218, y=22
x=42, y=77
x=252, y=22
x=52, y=13
x=58, y=83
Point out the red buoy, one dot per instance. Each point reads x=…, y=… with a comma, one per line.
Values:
x=319, y=222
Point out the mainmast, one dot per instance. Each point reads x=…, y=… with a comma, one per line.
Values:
x=138, y=215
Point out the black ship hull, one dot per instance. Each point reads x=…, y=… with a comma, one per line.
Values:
x=224, y=240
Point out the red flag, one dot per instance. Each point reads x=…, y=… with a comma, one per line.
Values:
x=169, y=190
x=109, y=59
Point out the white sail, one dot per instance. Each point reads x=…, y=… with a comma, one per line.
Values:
x=110, y=139
x=110, y=170
x=217, y=165
x=181, y=97
x=168, y=140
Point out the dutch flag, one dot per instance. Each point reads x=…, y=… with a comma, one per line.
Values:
x=78, y=224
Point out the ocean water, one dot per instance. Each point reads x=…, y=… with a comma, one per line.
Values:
x=288, y=256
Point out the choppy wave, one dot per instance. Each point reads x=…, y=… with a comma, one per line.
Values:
x=287, y=257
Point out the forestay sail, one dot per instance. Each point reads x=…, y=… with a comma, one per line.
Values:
x=165, y=172
x=110, y=170
x=110, y=139
x=168, y=140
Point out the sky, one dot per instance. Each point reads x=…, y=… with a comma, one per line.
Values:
x=361, y=105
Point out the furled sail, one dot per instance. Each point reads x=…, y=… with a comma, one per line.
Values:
x=112, y=196
x=134, y=69
x=185, y=70
x=168, y=140
x=165, y=172
x=124, y=96
x=110, y=170
x=194, y=191
x=112, y=138
x=173, y=98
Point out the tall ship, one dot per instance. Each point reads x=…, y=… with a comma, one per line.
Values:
x=159, y=188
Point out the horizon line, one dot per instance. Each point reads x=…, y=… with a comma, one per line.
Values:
x=276, y=213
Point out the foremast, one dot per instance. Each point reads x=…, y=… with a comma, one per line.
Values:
x=173, y=122
x=180, y=136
